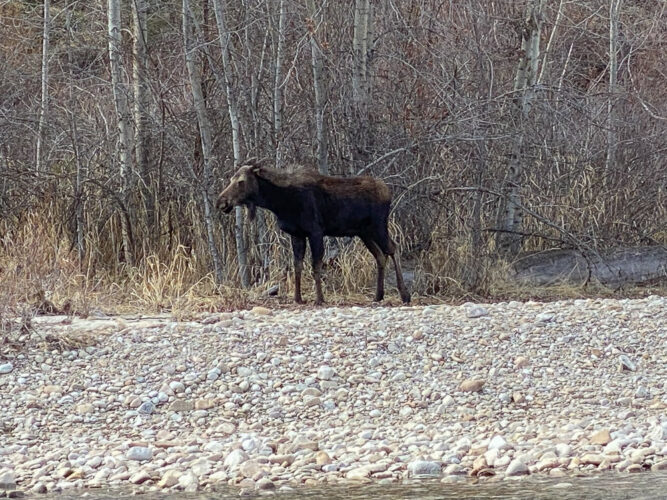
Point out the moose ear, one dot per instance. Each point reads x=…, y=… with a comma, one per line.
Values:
x=256, y=169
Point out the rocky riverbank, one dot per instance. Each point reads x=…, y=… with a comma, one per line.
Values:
x=270, y=400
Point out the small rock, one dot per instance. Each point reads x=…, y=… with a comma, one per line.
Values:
x=322, y=458
x=516, y=468
x=471, y=385
x=521, y=362
x=563, y=450
x=661, y=465
x=265, y=484
x=39, y=488
x=235, y=458
x=261, y=311
x=249, y=468
x=201, y=467
x=454, y=470
x=545, y=317
x=477, y=311
x=169, y=478
x=518, y=398
x=591, y=459
x=7, y=480
x=6, y=368
x=181, y=405
x=188, y=481
x=424, y=468
x=498, y=443
x=478, y=465
x=626, y=363
x=357, y=474
x=204, y=404
x=325, y=373
x=658, y=432
x=177, y=386
x=602, y=437
x=406, y=411
x=84, y=408
x=147, y=407
x=139, y=453
x=140, y=477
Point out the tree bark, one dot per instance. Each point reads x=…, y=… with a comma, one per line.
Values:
x=232, y=108
x=44, y=103
x=610, y=160
x=141, y=112
x=509, y=240
x=124, y=119
x=278, y=86
x=205, y=137
x=360, y=83
x=80, y=174
x=318, y=87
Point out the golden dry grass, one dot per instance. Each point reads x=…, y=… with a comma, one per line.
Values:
x=39, y=266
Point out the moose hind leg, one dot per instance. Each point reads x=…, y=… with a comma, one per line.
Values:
x=381, y=260
x=299, y=249
x=388, y=246
x=317, y=251
x=402, y=290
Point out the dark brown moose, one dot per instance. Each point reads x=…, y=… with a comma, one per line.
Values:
x=310, y=205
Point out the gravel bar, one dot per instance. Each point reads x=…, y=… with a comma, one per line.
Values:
x=273, y=400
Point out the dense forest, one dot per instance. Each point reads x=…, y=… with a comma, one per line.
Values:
x=502, y=127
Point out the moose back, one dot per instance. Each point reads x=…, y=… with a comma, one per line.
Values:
x=309, y=205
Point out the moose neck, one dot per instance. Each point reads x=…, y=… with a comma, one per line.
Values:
x=269, y=196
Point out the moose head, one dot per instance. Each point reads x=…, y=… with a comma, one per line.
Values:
x=242, y=190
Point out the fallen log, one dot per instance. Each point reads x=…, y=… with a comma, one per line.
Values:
x=614, y=267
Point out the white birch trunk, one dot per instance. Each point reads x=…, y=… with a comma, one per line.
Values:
x=319, y=89
x=124, y=119
x=205, y=138
x=44, y=103
x=509, y=239
x=223, y=34
x=360, y=77
x=614, y=6
x=278, y=86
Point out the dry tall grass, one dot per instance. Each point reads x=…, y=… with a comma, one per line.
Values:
x=40, y=271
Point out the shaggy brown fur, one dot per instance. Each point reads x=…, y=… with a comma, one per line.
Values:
x=309, y=205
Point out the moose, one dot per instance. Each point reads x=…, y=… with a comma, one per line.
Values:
x=311, y=205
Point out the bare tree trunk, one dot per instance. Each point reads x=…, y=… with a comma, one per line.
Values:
x=223, y=34
x=612, y=140
x=74, y=131
x=278, y=86
x=124, y=120
x=205, y=137
x=318, y=87
x=43, y=109
x=509, y=238
x=360, y=82
x=141, y=105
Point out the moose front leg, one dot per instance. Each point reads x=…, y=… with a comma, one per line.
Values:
x=317, y=251
x=299, y=249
